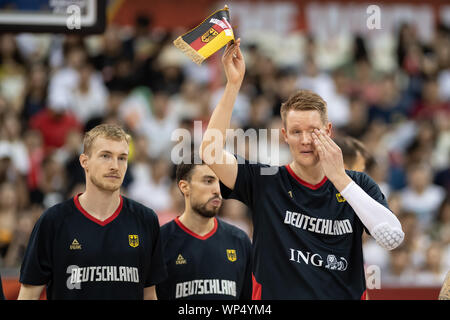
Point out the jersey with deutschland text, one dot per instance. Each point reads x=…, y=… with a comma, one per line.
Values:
x=307, y=239
x=214, y=266
x=80, y=257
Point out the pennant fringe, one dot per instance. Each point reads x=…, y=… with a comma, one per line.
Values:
x=188, y=50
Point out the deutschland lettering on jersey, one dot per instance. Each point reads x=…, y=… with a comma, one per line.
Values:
x=80, y=257
x=214, y=266
x=307, y=240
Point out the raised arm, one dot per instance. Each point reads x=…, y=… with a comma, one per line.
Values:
x=382, y=224
x=212, y=149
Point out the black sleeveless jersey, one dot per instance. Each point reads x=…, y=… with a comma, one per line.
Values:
x=214, y=266
x=80, y=257
x=307, y=240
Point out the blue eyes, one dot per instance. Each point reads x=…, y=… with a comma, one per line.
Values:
x=107, y=156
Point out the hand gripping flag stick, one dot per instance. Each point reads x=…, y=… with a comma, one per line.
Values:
x=208, y=37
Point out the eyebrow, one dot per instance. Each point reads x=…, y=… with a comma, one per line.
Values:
x=307, y=128
x=209, y=177
x=109, y=152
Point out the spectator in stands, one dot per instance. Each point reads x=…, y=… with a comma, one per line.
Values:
x=36, y=92
x=432, y=272
x=421, y=196
x=55, y=122
x=89, y=96
x=160, y=125
x=400, y=271
x=431, y=106
x=12, y=72
x=158, y=186
x=8, y=216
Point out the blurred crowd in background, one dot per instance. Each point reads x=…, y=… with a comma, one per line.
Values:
x=53, y=88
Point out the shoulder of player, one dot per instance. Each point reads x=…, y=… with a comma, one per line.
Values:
x=57, y=212
x=361, y=178
x=232, y=230
x=241, y=161
x=168, y=231
x=133, y=207
x=168, y=228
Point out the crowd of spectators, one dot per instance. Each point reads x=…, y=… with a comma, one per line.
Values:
x=55, y=87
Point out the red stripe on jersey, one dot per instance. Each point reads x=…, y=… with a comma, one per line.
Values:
x=206, y=236
x=306, y=184
x=365, y=295
x=90, y=217
x=257, y=289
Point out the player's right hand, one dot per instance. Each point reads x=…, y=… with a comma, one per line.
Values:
x=233, y=63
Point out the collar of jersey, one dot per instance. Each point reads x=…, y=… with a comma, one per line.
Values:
x=206, y=236
x=304, y=183
x=90, y=217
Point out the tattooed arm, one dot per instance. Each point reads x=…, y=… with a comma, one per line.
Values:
x=445, y=291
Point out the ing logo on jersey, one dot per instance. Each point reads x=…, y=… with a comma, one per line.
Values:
x=231, y=255
x=133, y=240
x=340, y=198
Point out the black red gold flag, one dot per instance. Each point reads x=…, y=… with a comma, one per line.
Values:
x=208, y=37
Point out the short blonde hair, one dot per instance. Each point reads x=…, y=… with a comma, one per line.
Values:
x=304, y=100
x=108, y=131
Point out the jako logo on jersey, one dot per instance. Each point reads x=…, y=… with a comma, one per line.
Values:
x=316, y=260
x=180, y=260
x=133, y=240
x=340, y=198
x=75, y=245
x=231, y=255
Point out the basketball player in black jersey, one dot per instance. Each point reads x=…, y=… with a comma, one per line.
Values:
x=308, y=216
x=97, y=245
x=206, y=258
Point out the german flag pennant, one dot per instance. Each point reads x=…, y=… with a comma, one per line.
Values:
x=208, y=37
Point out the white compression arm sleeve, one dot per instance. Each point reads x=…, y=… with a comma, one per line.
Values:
x=379, y=220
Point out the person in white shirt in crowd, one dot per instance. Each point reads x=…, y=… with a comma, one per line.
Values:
x=421, y=196
x=155, y=192
x=89, y=96
x=159, y=126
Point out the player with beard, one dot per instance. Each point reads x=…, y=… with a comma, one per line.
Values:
x=99, y=244
x=205, y=257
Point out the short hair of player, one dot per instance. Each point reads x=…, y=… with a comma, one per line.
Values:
x=304, y=100
x=107, y=131
x=185, y=168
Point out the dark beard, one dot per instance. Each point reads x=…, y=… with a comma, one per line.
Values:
x=201, y=210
